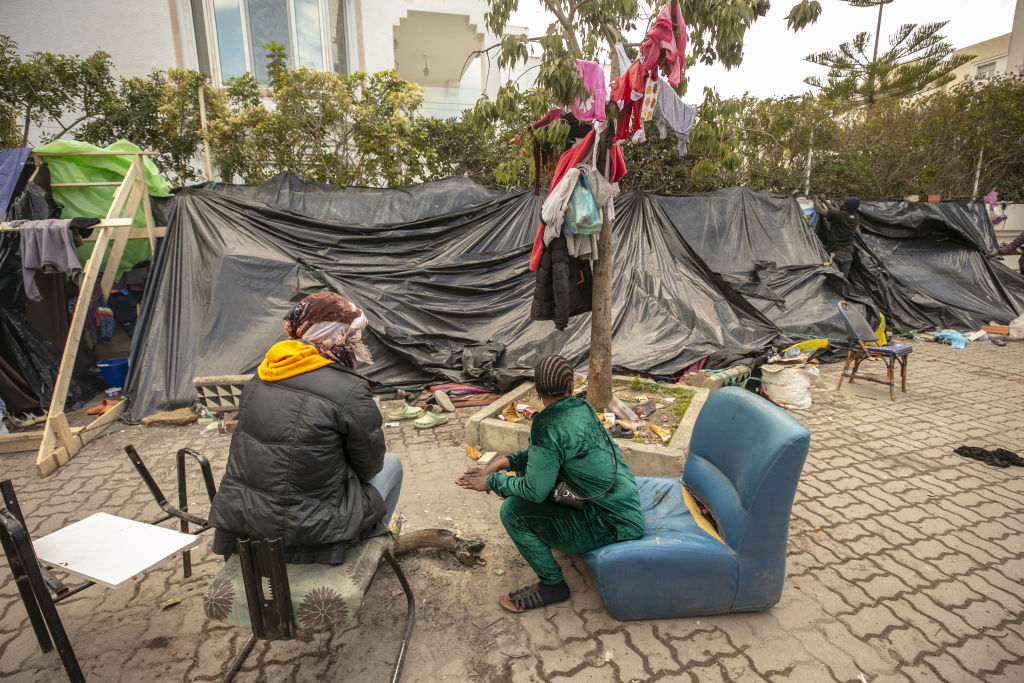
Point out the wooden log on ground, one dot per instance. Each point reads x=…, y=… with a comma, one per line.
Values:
x=466, y=551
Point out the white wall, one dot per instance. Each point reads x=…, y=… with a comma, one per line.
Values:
x=137, y=34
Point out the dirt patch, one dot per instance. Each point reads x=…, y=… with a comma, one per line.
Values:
x=671, y=403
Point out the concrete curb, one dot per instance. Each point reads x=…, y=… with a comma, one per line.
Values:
x=485, y=431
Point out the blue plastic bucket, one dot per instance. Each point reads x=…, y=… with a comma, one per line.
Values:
x=115, y=371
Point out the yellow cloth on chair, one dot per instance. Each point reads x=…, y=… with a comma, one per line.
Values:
x=694, y=508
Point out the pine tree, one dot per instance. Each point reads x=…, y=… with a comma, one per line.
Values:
x=918, y=59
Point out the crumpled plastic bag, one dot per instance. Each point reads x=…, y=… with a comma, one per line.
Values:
x=956, y=340
x=789, y=385
x=1017, y=327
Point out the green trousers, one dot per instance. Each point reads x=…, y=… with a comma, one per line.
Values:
x=537, y=528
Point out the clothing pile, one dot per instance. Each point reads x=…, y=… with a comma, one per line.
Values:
x=1000, y=457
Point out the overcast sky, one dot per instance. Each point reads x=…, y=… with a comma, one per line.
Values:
x=773, y=58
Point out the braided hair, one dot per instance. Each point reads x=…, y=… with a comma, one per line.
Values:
x=553, y=377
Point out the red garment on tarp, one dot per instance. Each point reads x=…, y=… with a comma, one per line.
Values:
x=668, y=34
x=572, y=156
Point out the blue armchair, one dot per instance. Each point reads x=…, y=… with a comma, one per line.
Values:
x=744, y=461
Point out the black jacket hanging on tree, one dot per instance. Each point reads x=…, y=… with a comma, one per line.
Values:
x=564, y=285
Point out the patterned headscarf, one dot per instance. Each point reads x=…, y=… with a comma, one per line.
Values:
x=332, y=324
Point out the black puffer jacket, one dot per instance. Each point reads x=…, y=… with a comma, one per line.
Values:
x=300, y=458
x=564, y=285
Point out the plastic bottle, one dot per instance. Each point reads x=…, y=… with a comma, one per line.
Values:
x=609, y=418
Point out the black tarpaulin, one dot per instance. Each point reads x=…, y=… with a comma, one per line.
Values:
x=436, y=287
x=924, y=265
x=762, y=245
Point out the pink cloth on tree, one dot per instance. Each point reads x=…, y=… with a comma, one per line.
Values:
x=668, y=34
x=593, y=80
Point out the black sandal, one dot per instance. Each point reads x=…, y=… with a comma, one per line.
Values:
x=534, y=596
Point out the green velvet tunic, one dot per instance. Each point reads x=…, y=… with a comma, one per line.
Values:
x=568, y=443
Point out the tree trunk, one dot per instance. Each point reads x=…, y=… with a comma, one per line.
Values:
x=599, y=377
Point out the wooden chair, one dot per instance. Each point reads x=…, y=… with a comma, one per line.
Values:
x=859, y=335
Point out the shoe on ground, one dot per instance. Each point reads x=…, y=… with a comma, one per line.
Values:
x=442, y=399
x=430, y=420
x=406, y=412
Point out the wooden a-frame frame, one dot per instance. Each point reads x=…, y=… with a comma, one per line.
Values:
x=59, y=443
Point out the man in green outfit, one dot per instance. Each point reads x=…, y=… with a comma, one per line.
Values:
x=567, y=444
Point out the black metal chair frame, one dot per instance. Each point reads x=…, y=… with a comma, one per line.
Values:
x=862, y=334
x=41, y=592
x=270, y=611
x=271, y=614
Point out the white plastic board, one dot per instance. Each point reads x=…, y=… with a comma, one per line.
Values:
x=111, y=550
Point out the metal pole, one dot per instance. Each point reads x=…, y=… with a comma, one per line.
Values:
x=206, y=139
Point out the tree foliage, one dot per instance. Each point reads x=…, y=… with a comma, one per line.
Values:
x=929, y=144
x=324, y=127
x=589, y=29
x=159, y=113
x=918, y=59
x=54, y=92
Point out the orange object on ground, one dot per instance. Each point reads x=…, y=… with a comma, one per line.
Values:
x=102, y=407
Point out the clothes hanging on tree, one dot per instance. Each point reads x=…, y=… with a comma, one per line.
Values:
x=665, y=44
x=593, y=80
x=47, y=246
x=564, y=285
x=671, y=112
x=628, y=94
x=572, y=157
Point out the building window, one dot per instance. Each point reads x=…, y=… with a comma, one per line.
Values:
x=311, y=31
x=986, y=70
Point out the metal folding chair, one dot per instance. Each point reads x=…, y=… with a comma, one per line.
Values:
x=859, y=335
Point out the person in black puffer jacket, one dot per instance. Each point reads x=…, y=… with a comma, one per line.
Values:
x=307, y=462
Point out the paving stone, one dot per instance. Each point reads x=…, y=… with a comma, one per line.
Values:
x=656, y=652
x=628, y=661
x=914, y=574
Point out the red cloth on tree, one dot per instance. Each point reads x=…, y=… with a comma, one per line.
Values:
x=573, y=156
x=548, y=119
x=668, y=34
x=628, y=93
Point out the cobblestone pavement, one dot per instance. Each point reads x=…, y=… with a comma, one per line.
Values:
x=906, y=563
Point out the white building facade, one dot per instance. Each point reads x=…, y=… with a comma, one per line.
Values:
x=433, y=43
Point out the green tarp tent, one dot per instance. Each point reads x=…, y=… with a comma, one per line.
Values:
x=93, y=202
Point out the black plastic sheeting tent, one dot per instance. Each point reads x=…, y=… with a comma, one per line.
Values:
x=924, y=265
x=444, y=281
x=441, y=270
x=762, y=245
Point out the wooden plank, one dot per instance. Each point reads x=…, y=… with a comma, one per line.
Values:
x=106, y=183
x=147, y=210
x=136, y=234
x=95, y=428
x=65, y=438
x=51, y=462
x=67, y=362
x=20, y=441
x=136, y=195
x=94, y=154
x=122, y=193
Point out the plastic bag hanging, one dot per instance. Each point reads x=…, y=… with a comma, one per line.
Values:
x=582, y=216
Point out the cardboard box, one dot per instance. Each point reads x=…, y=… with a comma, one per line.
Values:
x=932, y=198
